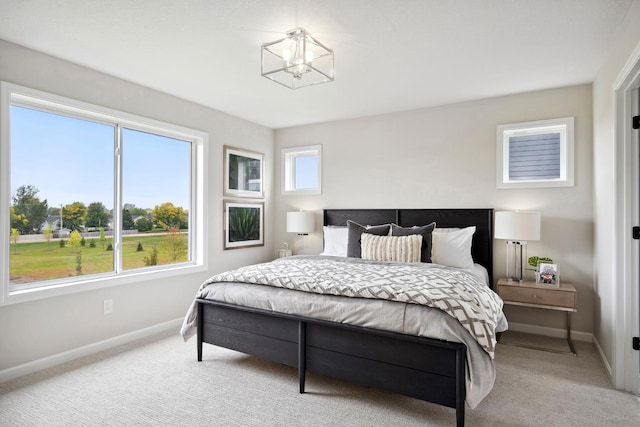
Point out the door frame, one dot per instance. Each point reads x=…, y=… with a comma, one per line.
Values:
x=625, y=363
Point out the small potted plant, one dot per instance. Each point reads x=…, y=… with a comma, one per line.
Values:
x=535, y=261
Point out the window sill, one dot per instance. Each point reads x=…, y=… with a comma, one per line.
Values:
x=94, y=283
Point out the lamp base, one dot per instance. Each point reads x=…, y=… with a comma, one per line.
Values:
x=516, y=256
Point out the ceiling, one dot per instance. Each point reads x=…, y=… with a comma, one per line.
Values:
x=390, y=55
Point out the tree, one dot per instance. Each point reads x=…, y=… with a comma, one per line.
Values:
x=15, y=235
x=127, y=220
x=102, y=237
x=75, y=238
x=152, y=259
x=166, y=216
x=74, y=215
x=28, y=206
x=133, y=210
x=97, y=215
x=79, y=263
x=48, y=233
x=175, y=244
x=17, y=221
x=143, y=224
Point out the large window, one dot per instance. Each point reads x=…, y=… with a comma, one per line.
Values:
x=91, y=196
x=535, y=154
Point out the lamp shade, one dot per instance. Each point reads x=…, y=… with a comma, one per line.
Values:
x=301, y=222
x=517, y=225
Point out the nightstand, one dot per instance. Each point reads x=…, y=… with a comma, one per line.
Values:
x=530, y=294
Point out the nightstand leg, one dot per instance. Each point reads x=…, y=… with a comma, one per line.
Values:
x=573, y=350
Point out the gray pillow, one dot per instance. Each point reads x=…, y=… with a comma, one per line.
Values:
x=355, y=231
x=425, y=230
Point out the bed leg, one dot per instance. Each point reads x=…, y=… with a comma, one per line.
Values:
x=302, y=353
x=460, y=386
x=199, y=332
x=460, y=416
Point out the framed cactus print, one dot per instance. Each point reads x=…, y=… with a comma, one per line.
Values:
x=243, y=224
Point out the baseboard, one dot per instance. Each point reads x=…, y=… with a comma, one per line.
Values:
x=550, y=332
x=605, y=362
x=56, y=359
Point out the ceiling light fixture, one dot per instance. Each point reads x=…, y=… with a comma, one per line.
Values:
x=297, y=60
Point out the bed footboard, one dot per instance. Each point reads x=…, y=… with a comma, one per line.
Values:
x=423, y=368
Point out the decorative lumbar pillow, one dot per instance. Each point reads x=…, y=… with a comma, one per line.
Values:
x=356, y=230
x=452, y=247
x=424, y=230
x=335, y=240
x=391, y=248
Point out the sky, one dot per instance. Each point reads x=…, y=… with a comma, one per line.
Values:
x=306, y=172
x=71, y=160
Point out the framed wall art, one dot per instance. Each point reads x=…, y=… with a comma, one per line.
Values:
x=243, y=173
x=243, y=224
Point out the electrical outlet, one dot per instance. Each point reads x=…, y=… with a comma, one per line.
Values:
x=108, y=306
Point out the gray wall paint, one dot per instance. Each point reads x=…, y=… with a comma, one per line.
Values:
x=605, y=190
x=446, y=157
x=34, y=330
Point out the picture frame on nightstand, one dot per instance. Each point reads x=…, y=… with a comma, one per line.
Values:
x=548, y=275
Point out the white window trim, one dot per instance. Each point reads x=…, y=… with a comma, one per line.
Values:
x=566, y=154
x=198, y=245
x=288, y=168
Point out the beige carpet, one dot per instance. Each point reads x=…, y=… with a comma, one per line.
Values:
x=157, y=382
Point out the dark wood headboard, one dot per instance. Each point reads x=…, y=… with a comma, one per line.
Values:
x=482, y=244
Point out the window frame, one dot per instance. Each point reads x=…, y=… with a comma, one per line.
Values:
x=503, y=132
x=289, y=156
x=12, y=94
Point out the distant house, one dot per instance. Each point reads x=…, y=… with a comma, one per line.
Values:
x=138, y=217
x=52, y=221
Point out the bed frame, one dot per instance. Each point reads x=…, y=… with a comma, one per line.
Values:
x=428, y=369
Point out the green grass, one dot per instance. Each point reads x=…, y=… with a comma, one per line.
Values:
x=47, y=260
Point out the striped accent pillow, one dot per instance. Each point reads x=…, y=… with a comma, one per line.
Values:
x=391, y=248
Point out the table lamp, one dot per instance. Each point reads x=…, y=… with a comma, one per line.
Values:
x=301, y=223
x=517, y=227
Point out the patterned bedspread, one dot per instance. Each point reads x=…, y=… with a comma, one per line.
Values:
x=455, y=292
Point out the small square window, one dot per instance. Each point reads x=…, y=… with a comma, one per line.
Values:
x=302, y=170
x=535, y=154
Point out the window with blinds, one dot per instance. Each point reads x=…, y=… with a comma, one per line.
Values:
x=535, y=154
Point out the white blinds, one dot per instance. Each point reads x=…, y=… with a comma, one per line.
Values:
x=534, y=156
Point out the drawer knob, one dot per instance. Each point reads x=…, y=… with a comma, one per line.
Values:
x=535, y=295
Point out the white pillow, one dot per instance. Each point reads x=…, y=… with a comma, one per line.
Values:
x=391, y=248
x=452, y=246
x=335, y=241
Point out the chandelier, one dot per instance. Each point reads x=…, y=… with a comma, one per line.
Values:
x=297, y=60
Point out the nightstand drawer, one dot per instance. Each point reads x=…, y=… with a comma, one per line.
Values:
x=539, y=296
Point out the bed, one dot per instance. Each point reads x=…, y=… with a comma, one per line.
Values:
x=354, y=347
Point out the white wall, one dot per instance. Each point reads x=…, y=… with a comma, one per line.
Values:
x=34, y=330
x=605, y=189
x=446, y=157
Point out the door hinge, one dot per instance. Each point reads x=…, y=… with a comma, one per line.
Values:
x=635, y=233
x=636, y=122
x=636, y=343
